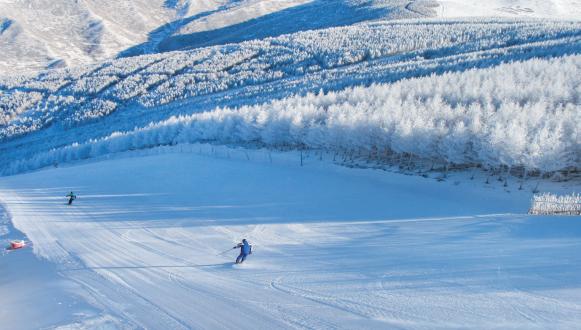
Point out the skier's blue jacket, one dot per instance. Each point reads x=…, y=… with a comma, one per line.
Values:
x=245, y=248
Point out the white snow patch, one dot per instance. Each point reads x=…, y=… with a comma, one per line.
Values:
x=563, y=9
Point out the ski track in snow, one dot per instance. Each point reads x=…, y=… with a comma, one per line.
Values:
x=335, y=248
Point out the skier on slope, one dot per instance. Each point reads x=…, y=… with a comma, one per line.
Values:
x=71, y=197
x=245, y=250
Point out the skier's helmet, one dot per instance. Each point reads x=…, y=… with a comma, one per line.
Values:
x=244, y=240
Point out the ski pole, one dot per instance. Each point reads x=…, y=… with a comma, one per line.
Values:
x=221, y=253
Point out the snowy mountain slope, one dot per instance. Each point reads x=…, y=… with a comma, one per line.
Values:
x=16, y=44
x=333, y=247
x=565, y=9
x=45, y=33
x=74, y=33
x=62, y=107
x=65, y=33
x=69, y=33
x=241, y=23
x=233, y=13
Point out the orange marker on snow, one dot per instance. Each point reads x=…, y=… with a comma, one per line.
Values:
x=17, y=245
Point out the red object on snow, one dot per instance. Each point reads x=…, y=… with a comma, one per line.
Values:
x=17, y=244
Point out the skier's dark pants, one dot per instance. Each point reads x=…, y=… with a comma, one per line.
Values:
x=241, y=257
x=71, y=200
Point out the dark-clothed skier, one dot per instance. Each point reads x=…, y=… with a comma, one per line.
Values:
x=71, y=197
x=245, y=250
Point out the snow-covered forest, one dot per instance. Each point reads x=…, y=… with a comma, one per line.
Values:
x=552, y=204
x=493, y=117
x=456, y=117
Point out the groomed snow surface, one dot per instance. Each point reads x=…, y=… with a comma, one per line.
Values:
x=34, y=296
x=334, y=247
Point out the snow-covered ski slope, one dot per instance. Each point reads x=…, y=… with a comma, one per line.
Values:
x=32, y=290
x=63, y=107
x=333, y=247
x=360, y=82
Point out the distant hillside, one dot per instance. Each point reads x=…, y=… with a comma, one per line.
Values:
x=39, y=34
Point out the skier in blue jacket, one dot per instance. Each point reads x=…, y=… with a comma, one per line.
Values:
x=245, y=250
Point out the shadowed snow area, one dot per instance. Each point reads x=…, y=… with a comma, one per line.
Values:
x=258, y=20
x=333, y=247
